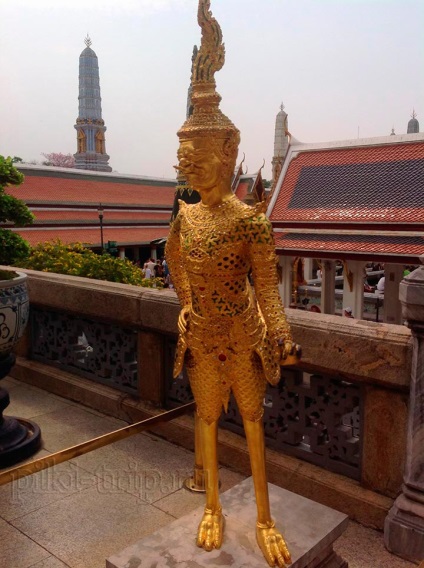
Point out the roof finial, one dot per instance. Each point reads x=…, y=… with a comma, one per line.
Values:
x=87, y=40
x=414, y=114
x=282, y=107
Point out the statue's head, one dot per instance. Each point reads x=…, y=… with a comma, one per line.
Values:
x=208, y=139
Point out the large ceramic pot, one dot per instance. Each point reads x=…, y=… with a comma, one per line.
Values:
x=19, y=438
x=14, y=311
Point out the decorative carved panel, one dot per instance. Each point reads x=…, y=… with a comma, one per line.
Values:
x=99, y=351
x=314, y=417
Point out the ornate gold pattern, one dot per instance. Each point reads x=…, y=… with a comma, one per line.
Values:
x=233, y=337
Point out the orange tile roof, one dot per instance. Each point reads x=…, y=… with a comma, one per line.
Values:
x=242, y=189
x=123, y=236
x=321, y=245
x=358, y=184
x=92, y=215
x=55, y=189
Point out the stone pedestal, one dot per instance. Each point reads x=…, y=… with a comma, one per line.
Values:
x=310, y=530
x=404, y=526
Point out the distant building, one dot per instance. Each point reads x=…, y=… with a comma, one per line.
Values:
x=413, y=124
x=355, y=201
x=90, y=127
x=281, y=144
x=66, y=203
x=183, y=191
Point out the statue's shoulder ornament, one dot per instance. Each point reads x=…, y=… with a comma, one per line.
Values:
x=258, y=225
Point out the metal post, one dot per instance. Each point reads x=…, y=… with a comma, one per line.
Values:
x=100, y=212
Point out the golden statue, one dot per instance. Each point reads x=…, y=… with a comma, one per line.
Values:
x=230, y=338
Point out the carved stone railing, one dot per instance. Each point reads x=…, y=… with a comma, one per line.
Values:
x=338, y=410
x=316, y=418
x=99, y=351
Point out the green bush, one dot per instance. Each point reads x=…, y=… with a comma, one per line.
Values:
x=13, y=248
x=77, y=260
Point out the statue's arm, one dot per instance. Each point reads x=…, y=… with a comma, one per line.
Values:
x=176, y=267
x=265, y=277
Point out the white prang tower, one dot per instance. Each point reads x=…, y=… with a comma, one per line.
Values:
x=281, y=144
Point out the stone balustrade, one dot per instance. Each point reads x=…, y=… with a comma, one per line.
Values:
x=122, y=336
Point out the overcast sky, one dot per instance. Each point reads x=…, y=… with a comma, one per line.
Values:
x=338, y=65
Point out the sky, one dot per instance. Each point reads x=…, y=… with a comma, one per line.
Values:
x=341, y=67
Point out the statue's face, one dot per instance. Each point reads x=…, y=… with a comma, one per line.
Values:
x=199, y=164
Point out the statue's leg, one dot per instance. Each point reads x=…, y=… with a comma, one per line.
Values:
x=207, y=394
x=269, y=539
x=211, y=527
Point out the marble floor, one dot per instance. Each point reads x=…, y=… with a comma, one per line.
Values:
x=81, y=512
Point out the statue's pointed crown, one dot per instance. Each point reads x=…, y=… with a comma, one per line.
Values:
x=207, y=119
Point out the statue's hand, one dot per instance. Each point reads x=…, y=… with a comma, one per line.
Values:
x=272, y=544
x=290, y=352
x=211, y=530
x=183, y=319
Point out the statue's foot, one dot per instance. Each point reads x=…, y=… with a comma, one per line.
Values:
x=272, y=544
x=211, y=530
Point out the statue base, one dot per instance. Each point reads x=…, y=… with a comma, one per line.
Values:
x=309, y=529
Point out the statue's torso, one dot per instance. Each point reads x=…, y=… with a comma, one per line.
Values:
x=215, y=254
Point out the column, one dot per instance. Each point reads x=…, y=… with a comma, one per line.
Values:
x=286, y=283
x=393, y=274
x=121, y=252
x=404, y=525
x=353, y=277
x=328, y=287
x=308, y=268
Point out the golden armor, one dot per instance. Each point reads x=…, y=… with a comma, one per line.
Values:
x=232, y=337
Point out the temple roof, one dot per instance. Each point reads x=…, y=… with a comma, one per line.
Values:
x=374, y=184
x=136, y=209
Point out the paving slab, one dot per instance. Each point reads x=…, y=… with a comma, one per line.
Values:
x=308, y=527
x=72, y=425
x=40, y=489
x=51, y=562
x=183, y=501
x=145, y=466
x=17, y=550
x=30, y=402
x=364, y=548
x=83, y=529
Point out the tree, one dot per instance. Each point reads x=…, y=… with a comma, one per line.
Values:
x=13, y=247
x=59, y=160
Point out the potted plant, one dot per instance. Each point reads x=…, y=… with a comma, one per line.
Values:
x=18, y=438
